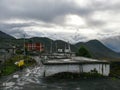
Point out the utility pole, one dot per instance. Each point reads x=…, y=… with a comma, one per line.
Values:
x=65, y=49
x=24, y=46
x=51, y=48
x=56, y=47
x=5, y=57
x=32, y=44
x=69, y=47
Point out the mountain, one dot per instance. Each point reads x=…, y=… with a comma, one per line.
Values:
x=112, y=43
x=99, y=50
x=6, y=40
x=96, y=48
x=5, y=36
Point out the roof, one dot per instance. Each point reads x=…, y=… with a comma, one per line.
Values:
x=2, y=51
x=74, y=60
x=5, y=46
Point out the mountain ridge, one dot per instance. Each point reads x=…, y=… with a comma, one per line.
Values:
x=95, y=47
x=99, y=50
x=113, y=43
x=3, y=35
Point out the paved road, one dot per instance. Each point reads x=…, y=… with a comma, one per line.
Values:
x=31, y=79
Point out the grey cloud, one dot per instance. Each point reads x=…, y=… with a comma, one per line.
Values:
x=15, y=25
x=95, y=23
x=15, y=29
x=45, y=10
x=51, y=12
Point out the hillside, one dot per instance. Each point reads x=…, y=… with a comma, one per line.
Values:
x=112, y=42
x=95, y=47
x=5, y=40
x=5, y=36
x=99, y=50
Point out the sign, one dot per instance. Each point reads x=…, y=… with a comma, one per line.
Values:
x=20, y=63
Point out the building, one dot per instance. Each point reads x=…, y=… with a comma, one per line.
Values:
x=6, y=52
x=34, y=47
x=76, y=65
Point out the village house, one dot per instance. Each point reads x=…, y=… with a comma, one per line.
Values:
x=6, y=52
x=34, y=47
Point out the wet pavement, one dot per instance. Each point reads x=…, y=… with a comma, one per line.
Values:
x=32, y=79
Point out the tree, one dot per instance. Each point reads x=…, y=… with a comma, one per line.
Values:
x=83, y=52
x=19, y=51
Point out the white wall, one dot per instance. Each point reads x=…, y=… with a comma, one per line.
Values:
x=53, y=69
x=103, y=69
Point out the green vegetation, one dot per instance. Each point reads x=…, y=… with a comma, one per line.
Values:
x=19, y=51
x=83, y=52
x=10, y=67
x=68, y=75
x=115, y=69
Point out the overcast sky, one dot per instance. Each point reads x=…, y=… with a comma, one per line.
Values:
x=70, y=20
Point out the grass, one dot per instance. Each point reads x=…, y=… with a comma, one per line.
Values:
x=69, y=75
x=115, y=69
x=10, y=67
x=9, y=70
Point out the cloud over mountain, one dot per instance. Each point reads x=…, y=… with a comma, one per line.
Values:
x=75, y=20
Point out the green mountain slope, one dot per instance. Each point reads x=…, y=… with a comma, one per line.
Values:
x=99, y=50
x=95, y=47
x=5, y=36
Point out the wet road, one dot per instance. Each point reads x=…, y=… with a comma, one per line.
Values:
x=31, y=79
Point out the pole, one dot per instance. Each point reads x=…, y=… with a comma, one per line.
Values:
x=51, y=48
x=24, y=46
x=69, y=47
x=56, y=48
x=65, y=49
x=5, y=57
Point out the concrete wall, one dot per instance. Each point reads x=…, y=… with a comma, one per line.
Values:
x=5, y=54
x=103, y=69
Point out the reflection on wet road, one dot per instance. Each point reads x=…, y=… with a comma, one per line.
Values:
x=31, y=79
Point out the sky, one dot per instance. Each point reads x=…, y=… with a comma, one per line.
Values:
x=69, y=20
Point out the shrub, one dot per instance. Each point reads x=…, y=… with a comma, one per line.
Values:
x=83, y=52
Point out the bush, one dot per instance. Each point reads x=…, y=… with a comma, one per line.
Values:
x=83, y=52
x=18, y=51
x=10, y=67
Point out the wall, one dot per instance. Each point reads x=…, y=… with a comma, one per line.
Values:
x=103, y=69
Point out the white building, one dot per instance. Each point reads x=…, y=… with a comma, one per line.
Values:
x=76, y=65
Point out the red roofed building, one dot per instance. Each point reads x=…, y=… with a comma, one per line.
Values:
x=34, y=47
